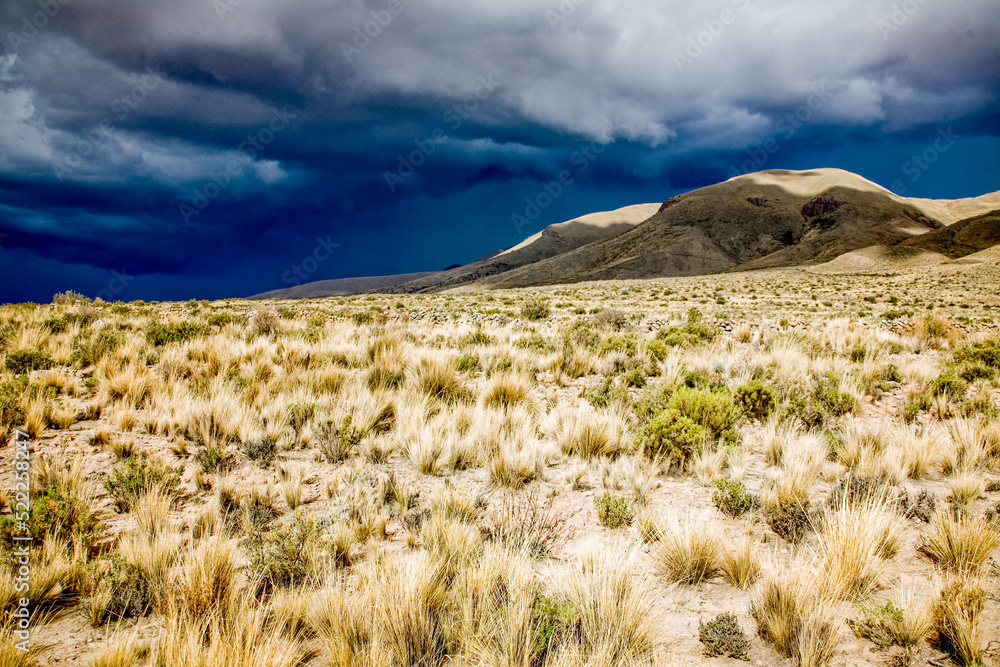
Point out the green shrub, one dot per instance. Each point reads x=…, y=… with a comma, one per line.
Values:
x=877, y=625
x=657, y=350
x=712, y=409
x=467, y=364
x=555, y=620
x=535, y=309
x=136, y=476
x=790, y=520
x=20, y=362
x=733, y=499
x=66, y=320
x=280, y=557
x=159, y=333
x=722, y=636
x=949, y=383
x=61, y=513
x=634, y=377
x=608, y=393
x=613, y=511
x=673, y=438
x=756, y=400
x=300, y=414
x=627, y=345
x=611, y=318
x=11, y=410
x=132, y=594
x=985, y=353
x=89, y=350
x=363, y=317
x=583, y=334
x=912, y=408
x=383, y=378
x=535, y=342
x=222, y=319
x=213, y=459
x=336, y=443
x=262, y=450
x=478, y=337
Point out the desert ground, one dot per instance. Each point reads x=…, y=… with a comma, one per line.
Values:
x=781, y=467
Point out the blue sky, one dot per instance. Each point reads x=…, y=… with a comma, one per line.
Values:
x=214, y=148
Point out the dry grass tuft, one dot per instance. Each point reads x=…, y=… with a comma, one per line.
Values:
x=960, y=544
x=690, y=548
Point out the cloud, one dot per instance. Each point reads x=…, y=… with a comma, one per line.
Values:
x=116, y=113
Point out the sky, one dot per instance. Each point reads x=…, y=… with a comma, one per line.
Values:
x=220, y=148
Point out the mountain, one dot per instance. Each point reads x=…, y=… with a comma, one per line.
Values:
x=339, y=287
x=552, y=241
x=766, y=219
x=962, y=238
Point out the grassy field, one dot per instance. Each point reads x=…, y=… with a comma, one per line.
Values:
x=784, y=467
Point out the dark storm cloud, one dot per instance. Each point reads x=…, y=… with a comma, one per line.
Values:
x=197, y=136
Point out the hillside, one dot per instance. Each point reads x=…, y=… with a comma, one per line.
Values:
x=339, y=287
x=768, y=219
x=552, y=241
x=965, y=237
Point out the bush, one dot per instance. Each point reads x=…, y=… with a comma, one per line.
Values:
x=61, y=513
x=980, y=360
x=627, y=345
x=555, y=620
x=673, y=438
x=612, y=511
x=11, y=410
x=756, y=400
x=222, y=319
x=66, y=320
x=722, y=636
x=733, y=499
x=383, y=378
x=20, y=362
x=136, y=476
x=213, y=459
x=89, y=350
x=950, y=383
x=337, y=443
x=607, y=393
x=711, y=409
x=467, y=364
x=177, y=332
x=790, y=521
x=477, y=337
x=535, y=342
x=280, y=557
x=261, y=451
x=535, y=309
x=611, y=318
x=130, y=593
